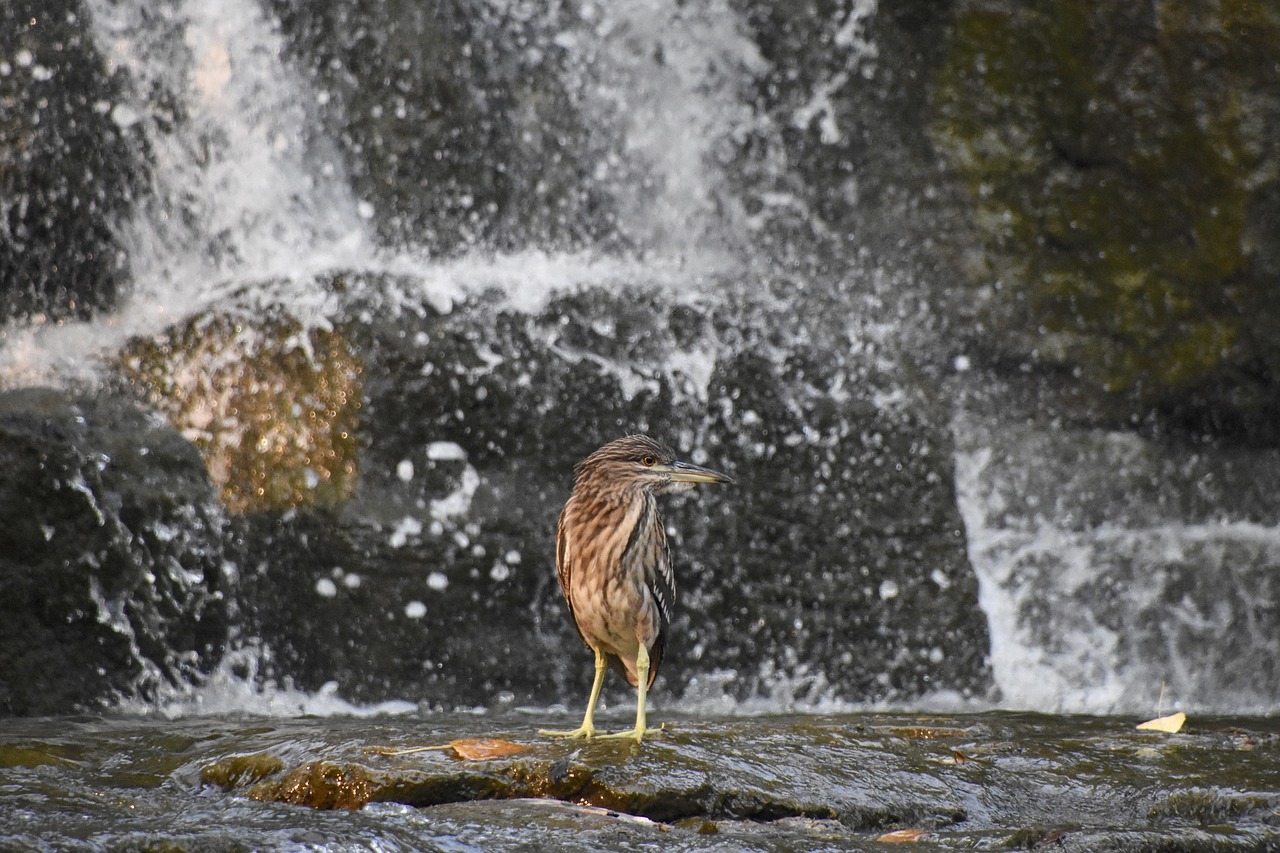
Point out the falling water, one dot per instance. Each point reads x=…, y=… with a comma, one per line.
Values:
x=1133, y=584
x=250, y=203
x=243, y=187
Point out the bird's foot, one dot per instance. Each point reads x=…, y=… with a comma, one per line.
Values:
x=637, y=734
x=584, y=731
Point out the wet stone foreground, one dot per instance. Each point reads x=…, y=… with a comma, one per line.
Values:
x=989, y=781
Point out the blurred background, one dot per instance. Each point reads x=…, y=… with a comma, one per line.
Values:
x=310, y=307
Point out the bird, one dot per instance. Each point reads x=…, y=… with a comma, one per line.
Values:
x=614, y=564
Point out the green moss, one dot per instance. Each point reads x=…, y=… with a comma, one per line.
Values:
x=235, y=771
x=320, y=785
x=12, y=755
x=1109, y=183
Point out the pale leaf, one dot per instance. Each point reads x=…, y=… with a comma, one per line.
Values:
x=1169, y=724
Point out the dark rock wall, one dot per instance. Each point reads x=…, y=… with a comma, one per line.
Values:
x=1080, y=202
x=1121, y=176
x=112, y=576
x=808, y=576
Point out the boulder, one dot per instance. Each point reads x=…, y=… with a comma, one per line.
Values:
x=112, y=578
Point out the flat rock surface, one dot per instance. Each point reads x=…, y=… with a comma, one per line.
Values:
x=985, y=781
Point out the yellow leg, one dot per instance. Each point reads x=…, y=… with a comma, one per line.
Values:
x=642, y=672
x=588, y=728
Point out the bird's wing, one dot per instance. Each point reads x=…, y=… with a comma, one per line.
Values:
x=662, y=585
x=564, y=571
x=664, y=593
x=663, y=582
x=564, y=559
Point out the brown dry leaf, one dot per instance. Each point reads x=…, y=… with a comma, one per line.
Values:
x=1170, y=724
x=901, y=836
x=484, y=748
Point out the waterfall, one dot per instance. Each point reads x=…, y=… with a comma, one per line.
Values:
x=1116, y=579
x=243, y=185
x=243, y=188
x=1114, y=574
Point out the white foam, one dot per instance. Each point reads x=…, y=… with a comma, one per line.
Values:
x=234, y=690
x=1069, y=636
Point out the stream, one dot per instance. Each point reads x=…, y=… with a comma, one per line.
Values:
x=991, y=780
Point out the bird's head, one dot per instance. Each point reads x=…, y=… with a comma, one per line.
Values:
x=639, y=462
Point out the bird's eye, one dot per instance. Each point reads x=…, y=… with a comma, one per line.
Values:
x=648, y=461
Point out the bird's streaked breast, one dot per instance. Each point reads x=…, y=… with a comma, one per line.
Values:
x=607, y=557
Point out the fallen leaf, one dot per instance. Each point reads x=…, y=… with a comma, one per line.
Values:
x=900, y=836
x=1169, y=724
x=484, y=748
x=467, y=749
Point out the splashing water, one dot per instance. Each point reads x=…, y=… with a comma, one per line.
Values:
x=1125, y=616
x=242, y=186
x=249, y=206
x=236, y=687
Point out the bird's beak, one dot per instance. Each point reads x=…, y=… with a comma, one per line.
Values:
x=684, y=472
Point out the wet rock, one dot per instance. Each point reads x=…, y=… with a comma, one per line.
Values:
x=424, y=620
x=670, y=787
x=777, y=783
x=842, y=782
x=241, y=770
x=320, y=785
x=111, y=564
x=1125, y=205
x=68, y=168
x=804, y=581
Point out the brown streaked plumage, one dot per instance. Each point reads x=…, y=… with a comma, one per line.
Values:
x=614, y=565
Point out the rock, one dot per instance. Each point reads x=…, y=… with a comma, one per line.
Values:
x=964, y=782
x=806, y=581
x=836, y=782
x=272, y=406
x=67, y=169
x=425, y=620
x=112, y=579
x=1120, y=178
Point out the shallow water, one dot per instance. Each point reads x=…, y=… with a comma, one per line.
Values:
x=984, y=781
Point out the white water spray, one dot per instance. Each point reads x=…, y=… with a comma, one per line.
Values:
x=1139, y=615
x=242, y=185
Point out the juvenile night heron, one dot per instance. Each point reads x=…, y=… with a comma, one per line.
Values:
x=614, y=566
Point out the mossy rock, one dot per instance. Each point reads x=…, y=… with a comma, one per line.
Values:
x=1117, y=165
